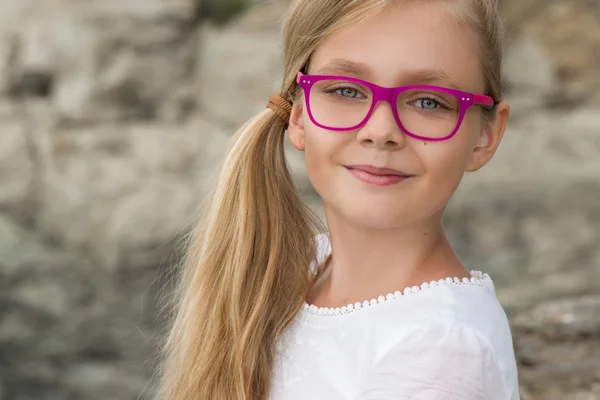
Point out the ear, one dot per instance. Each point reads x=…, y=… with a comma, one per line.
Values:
x=296, y=126
x=490, y=135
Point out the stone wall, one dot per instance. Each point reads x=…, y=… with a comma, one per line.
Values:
x=114, y=117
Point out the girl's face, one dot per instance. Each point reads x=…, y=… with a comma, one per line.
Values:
x=405, y=45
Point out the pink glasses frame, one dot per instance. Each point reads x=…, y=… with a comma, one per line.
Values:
x=390, y=95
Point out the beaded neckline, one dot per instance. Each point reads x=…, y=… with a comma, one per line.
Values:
x=477, y=279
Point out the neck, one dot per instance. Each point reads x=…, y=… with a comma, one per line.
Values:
x=367, y=263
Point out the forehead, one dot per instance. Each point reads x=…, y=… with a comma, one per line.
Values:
x=404, y=43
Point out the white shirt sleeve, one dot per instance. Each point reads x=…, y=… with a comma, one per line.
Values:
x=445, y=361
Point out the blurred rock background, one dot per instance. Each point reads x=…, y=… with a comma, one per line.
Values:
x=115, y=114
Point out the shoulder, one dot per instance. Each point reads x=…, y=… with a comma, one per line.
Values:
x=443, y=360
x=447, y=336
x=470, y=304
x=475, y=306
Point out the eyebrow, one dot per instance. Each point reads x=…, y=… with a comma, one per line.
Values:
x=338, y=65
x=416, y=76
x=426, y=76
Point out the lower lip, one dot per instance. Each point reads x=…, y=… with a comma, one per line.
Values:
x=378, y=180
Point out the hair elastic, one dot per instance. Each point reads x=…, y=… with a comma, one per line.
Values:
x=280, y=106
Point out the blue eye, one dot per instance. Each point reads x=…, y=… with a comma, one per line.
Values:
x=347, y=92
x=428, y=100
x=429, y=104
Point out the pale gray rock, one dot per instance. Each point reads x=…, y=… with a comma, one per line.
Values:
x=568, y=33
x=528, y=69
x=546, y=145
x=570, y=318
x=238, y=73
x=67, y=327
x=122, y=190
x=16, y=165
x=103, y=61
x=102, y=380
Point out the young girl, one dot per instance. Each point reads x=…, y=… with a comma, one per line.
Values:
x=391, y=101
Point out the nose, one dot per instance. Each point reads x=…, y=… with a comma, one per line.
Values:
x=382, y=130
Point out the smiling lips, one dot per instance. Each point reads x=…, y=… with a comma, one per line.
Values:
x=377, y=176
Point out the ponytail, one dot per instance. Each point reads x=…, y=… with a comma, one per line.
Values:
x=245, y=276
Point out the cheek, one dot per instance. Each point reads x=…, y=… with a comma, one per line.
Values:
x=322, y=154
x=452, y=156
x=314, y=166
x=445, y=162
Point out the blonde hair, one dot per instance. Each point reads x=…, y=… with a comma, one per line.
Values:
x=246, y=273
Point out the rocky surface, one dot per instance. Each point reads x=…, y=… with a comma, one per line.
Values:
x=113, y=119
x=101, y=61
x=568, y=33
x=68, y=329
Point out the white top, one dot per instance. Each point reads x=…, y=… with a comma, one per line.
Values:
x=448, y=340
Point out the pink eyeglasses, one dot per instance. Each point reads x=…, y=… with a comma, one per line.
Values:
x=342, y=103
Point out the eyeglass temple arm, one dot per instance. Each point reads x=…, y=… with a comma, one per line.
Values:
x=483, y=100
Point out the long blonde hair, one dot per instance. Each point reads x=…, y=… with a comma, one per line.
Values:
x=246, y=273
